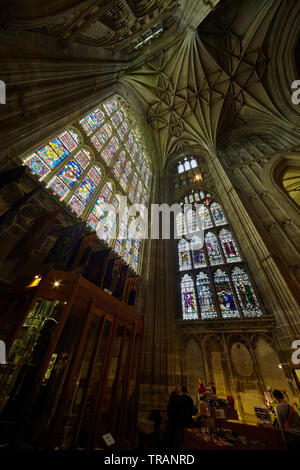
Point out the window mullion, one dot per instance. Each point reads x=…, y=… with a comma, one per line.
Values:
x=71, y=192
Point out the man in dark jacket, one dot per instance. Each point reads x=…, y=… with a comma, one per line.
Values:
x=185, y=408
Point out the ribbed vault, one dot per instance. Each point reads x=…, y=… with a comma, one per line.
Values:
x=209, y=81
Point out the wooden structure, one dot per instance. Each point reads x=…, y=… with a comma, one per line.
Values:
x=73, y=364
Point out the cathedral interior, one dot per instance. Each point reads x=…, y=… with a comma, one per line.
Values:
x=160, y=102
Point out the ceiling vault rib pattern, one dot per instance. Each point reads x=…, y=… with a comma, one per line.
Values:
x=195, y=90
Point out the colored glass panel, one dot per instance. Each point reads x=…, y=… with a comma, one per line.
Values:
x=36, y=165
x=109, y=224
x=67, y=141
x=87, y=129
x=205, y=297
x=85, y=190
x=119, y=163
x=117, y=118
x=224, y=294
x=74, y=136
x=117, y=247
x=230, y=249
x=70, y=173
x=132, y=187
x=53, y=153
x=110, y=150
x=217, y=214
x=125, y=175
x=76, y=206
x=198, y=252
x=110, y=106
x=136, y=249
x=129, y=142
x=188, y=299
x=103, y=134
x=123, y=129
x=96, y=143
x=213, y=249
x=83, y=158
x=245, y=292
x=95, y=174
x=184, y=256
x=59, y=188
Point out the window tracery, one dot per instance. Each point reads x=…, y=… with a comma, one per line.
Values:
x=214, y=281
x=78, y=164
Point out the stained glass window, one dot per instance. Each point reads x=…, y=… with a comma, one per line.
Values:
x=125, y=175
x=92, y=121
x=110, y=151
x=119, y=164
x=47, y=157
x=37, y=165
x=198, y=253
x=132, y=187
x=220, y=293
x=213, y=249
x=59, y=188
x=188, y=298
x=101, y=136
x=85, y=190
x=71, y=172
x=123, y=129
x=129, y=142
x=245, y=293
x=217, y=214
x=230, y=249
x=187, y=164
x=117, y=118
x=205, y=296
x=224, y=294
x=110, y=106
x=138, y=192
x=184, y=256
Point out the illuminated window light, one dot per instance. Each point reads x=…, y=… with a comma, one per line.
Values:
x=198, y=177
x=148, y=38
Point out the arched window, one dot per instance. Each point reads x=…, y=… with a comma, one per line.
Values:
x=188, y=298
x=187, y=164
x=291, y=183
x=205, y=296
x=184, y=256
x=217, y=284
x=225, y=297
x=245, y=293
x=94, y=162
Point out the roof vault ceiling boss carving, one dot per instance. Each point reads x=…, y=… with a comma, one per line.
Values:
x=193, y=90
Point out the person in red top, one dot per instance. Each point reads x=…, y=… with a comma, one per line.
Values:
x=202, y=389
x=230, y=401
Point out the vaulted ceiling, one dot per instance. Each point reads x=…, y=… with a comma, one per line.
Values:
x=195, y=70
x=209, y=81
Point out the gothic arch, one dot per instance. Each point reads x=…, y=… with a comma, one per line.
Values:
x=272, y=178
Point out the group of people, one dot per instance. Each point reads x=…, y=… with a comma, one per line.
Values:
x=181, y=410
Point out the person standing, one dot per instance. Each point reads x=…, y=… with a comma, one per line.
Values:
x=185, y=409
x=172, y=427
x=289, y=421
